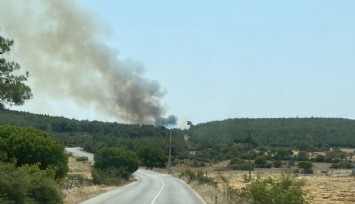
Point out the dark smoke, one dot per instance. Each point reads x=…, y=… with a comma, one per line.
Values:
x=59, y=43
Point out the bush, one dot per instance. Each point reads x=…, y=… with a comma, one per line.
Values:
x=82, y=158
x=261, y=162
x=151, y=157
x=115, y=162
x=31, y=146
x=344, y=164
x=285, y=190
x=306, y=166
x=239, y=164
x=277, y=164
x=28, y=184
x=320, y=158
x=197, y=176
x=107, y=177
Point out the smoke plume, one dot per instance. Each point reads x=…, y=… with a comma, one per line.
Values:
x=61, y=45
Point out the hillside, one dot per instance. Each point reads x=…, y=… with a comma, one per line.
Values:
x=93, y=134
x=280, y=132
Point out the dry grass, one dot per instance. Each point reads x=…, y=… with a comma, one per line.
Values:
x=82, y=191
x=322, y=189
x=331, y=190
x=79, y=194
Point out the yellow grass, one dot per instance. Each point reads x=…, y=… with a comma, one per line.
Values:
x=322, y=189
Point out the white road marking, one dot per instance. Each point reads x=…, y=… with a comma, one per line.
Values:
x=155, y=198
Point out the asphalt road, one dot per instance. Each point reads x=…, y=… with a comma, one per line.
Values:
x=78, y=151
x=150, y=188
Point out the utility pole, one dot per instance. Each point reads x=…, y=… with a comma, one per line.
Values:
x=169, y=161
x=248, y=131
x=249, y=152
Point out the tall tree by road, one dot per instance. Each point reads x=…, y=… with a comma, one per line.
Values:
x=12, y=89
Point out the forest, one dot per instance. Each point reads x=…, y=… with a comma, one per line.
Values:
x=217, y=138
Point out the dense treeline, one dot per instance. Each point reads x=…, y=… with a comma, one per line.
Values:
x=300, y=133
x=94, y=135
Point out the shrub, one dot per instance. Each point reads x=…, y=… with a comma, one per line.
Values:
x=82, y=158
x=261, y=162
x=239, y=164
x=343, y=164
x=320, y=158
x=31, y=146
x=28, y=184
x=151, y=157
x=306, y=166
x=197, y=176
x=284, y=190
x=107, y=177
x=277, y=164
x=115, y=162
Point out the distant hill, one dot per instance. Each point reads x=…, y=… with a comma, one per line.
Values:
x=92, y=134
x=269, y=132
x=278, y=132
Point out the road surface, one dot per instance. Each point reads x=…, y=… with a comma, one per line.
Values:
x=150, y=188
x=78, y=151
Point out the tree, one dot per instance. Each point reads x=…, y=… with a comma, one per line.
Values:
x=31, y=146
x=306, y=166
x=151, y=157
x=119, y=162
x=12, y=89
x=302, y=156
x=261, y=162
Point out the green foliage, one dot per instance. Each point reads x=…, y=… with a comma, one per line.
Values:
x=306, y=167
x=285, y=190
x=111, y=176
x=118, y=162
x=261, y=162
x=279, y=132
x=343, y=164
x=283, y=154
x=28, y=184
x=320, y=158
x=302, y=156
x=94, y=135
x=31, y=146
x=277, y=164
x=151, y=157
x=12, y=89
x=335, y=155
x=240, y=164
x=197, y=176
x=82, y=158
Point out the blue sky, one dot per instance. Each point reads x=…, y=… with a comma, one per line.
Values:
x=228, y=59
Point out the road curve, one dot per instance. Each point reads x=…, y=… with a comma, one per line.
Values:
x=78, y=151
x=150, y=188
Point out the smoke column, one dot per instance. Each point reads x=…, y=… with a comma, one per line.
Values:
x=58, y=42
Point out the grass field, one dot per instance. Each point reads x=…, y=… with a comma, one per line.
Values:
x=334, y=188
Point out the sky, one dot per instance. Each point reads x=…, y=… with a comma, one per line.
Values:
x=232, y=59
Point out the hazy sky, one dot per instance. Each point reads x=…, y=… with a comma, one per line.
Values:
x=227, y=59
